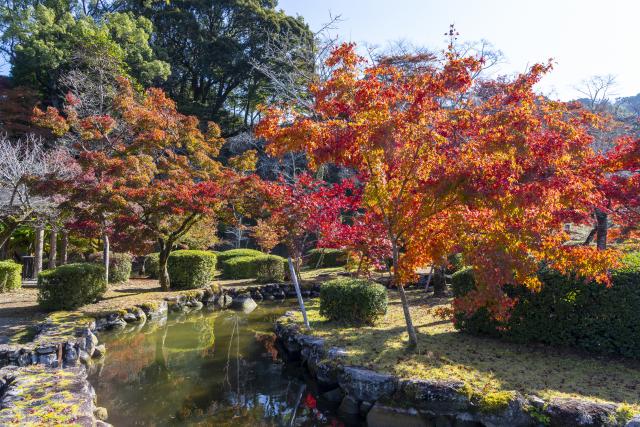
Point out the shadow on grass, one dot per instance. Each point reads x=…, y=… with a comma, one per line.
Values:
x=487, y=364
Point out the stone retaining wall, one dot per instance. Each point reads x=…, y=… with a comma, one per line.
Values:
x=385, y=400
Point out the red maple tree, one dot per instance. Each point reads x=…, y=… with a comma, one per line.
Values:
x=149, y=173
x=452, y=164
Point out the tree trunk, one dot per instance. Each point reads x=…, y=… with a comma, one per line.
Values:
x=105, y=255
x=601, y=229
x=163, y=258
x=64, y=247
x=39, y=248
x=53, y=247
x=439, y=282
x=294, y=278
x=413, y=337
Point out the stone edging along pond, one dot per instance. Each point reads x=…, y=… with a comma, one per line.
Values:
x=386, y=400
x=33, y=388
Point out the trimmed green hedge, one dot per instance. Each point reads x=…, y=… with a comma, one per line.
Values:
x=353, y=300
x=189, y=269
x=566, y=312
x=240, y=267
x=10, y=276
x=270, y=268
x=327, y=257
x=234, y=253
x=71, y=286
x=119, y=265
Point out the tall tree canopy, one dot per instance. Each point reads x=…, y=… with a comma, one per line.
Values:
x=148, y=173
x=43, y=41
x=451, y=164
x=211, y=45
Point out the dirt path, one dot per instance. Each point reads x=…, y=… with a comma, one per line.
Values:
x=19, y=309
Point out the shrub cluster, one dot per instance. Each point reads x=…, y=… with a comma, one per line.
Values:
x=326, y=257
x=71, y=286
x=566, y=312
x=10, y=276
x=355, y=301
x=190, y=269
x=119, y=265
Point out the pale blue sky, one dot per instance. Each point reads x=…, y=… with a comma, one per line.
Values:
x=585, y=37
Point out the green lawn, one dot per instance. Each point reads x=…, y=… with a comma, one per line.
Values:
x=486, y=365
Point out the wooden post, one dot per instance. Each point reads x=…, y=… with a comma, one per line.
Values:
x=64, y=247
x=39, y=248
x=105, y=255
x=294, y=277
x=53, y=247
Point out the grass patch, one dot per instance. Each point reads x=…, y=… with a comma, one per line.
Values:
x=489, y=367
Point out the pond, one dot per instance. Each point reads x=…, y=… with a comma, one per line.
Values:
x=217, y=368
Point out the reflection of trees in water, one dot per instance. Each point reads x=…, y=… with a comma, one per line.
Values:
x=207, y=370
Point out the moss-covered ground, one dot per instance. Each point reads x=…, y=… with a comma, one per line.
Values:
x=489, y=367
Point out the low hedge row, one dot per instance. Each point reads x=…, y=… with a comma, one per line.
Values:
x=119, y=265
x=566, y=312
x=354, y=301
x=10, y=276
x=326, y=257
x=70, y=286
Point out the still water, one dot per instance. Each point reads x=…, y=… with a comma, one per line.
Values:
x=206, y=369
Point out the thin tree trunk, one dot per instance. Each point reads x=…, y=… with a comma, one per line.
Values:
x=53, y=247
x=413, y=337
x=105, y=255
x=163, y=258
x=602, y=229
x=294, y=278
x=64, y=247
x=39, y=248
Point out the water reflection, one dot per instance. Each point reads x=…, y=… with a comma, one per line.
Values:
x=205, y=369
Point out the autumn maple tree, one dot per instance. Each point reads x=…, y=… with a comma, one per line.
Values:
x=148, y=172
x=304, y=211
x=454, y=164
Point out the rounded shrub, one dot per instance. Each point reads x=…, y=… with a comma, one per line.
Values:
x=152, y=265
x=241, y=267
x=10, y=276
x=234, y=253
x=190, y=269
x=462, y=281
x=119, y=265
x=326, y=257
x=270, y=268
x=71, y=286
x=356, y=301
